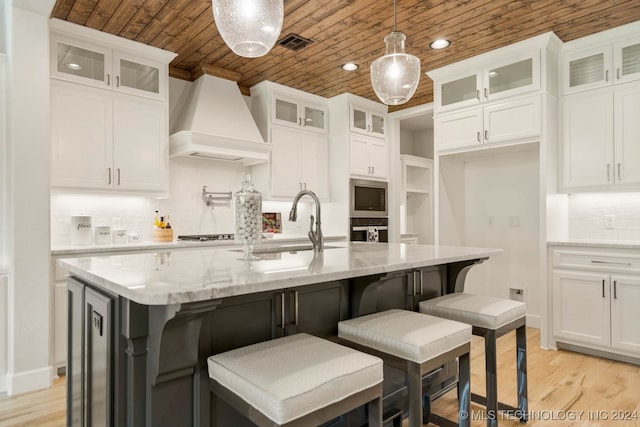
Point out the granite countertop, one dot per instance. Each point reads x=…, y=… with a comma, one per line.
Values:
x=210, y=273
x=68, y=250
x=616, y=244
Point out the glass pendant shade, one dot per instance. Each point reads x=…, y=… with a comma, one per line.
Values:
x=249, y=27
x=395, y=76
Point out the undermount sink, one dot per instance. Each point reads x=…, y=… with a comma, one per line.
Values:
x=284, y=248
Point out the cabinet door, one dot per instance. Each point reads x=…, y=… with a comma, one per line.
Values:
x=140, y=150
x=626, y=61
x=377, y=124
x=511, y=121
x=359, y=156
x=581, y=311
x=587, y=139
x=80, y=62
x=458, y=92
x=139, y=78
x=285, y=161
x=314, y=118
x=627, y=135
x=82, y=135
x=317, y=309
x=625, y=316
x=358, y=120
x=285, y=111
x=459, y=130
x=314, y=163
x=378, y=158
x=513, y=77
x=586, y=69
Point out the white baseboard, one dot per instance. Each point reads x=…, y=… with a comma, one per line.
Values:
x=25, y=382
x=533, y=321
x=3, y=383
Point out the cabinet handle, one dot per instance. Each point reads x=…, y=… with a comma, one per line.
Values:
x=420, y=281
x=602, y=288
x=478, y=94
x=108, y=79
x=117, y=81
x=619, y=177
x=414, y=280
x=300, y=186
x=618, y=73
x=478, y=136
x=606, y=76
x=486, y=135
x=368, y=128
x=373, y=170
x=282, y=325
x=615, y=289
x=299, y=121
x=305, y=185
x=295, y=305
x=595, y=261
x=109, y=175
x=118, y=176
x=608, y=172
x=486, y=93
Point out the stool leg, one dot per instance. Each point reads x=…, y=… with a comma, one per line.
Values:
x=464, y=390
x=521, y=371
x=374, y=409
x=491, y=378
x=415, y=395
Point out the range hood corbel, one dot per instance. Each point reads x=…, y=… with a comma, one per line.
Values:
x=216, y=123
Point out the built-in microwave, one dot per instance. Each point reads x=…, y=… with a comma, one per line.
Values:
x=368, y=198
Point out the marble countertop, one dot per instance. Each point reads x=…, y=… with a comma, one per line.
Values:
x=616, y=244
x=70, y=251
x=210, y=273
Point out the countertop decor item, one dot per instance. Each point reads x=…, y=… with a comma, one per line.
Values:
x=81, y=230
x=248, y=204
x=395, y=76
x=271, y=222
x=103, y=234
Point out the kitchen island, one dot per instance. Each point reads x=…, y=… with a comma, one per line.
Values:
x=141, y=326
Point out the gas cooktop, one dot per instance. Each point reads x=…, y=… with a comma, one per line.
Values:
x=206, y=237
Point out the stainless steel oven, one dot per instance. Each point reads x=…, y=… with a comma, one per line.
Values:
x=369, y=230
x=368, y=199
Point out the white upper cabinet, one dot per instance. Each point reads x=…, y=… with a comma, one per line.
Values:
x=93, y=58
x=299, y=113
x=601, y=65
x=501, y=79
x=367, y=157
x=367, y=121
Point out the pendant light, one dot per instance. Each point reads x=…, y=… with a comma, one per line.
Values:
x=395, y=76
x=249, y=27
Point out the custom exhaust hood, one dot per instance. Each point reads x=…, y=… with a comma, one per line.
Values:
x=215, y=122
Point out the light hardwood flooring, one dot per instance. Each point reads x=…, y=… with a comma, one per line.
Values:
x=565, y=389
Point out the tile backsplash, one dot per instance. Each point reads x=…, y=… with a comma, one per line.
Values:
x=604, y=216
x=185, y=207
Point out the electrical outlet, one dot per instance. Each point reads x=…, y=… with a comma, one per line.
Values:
x=609, y=222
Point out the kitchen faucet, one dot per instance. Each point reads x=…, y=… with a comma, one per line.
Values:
x=315, y=236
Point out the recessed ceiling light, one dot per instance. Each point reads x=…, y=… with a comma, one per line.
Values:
x=350, y=66
x=73, y=66
x=439, y=44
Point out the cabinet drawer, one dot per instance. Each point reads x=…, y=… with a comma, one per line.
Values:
x=596, y=261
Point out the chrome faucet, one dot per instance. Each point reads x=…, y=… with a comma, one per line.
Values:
x=315, y=236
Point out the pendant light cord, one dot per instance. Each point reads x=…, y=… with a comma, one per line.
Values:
x=394, y=16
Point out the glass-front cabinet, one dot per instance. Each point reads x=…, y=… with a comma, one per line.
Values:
x=499, y=80
x=296, y=113
x=601, y=65
x=367, y=121
x=93, y=65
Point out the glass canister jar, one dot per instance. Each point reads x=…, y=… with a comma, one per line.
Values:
x=248, y=207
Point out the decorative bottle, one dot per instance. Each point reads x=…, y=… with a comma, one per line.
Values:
x=248, y=207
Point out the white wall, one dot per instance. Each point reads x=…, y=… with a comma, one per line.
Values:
x=587, y=215
x=4, y=278
x=501, y=197
x=28, y=141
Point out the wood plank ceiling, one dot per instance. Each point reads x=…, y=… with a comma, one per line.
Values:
x=344, y=30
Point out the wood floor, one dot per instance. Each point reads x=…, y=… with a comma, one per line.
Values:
x=565, y=389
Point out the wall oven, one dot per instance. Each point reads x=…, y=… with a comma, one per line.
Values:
x=368, y=199
x=369, y=230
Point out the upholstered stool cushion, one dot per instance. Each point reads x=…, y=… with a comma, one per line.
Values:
x=289, y=377
x=405, y=334
x=476, y=310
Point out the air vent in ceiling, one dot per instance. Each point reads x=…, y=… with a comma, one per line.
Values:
x=294, y=42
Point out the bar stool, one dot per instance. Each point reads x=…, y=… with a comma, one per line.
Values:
x=417, y=344
x=490, y=318
x=299, y=380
